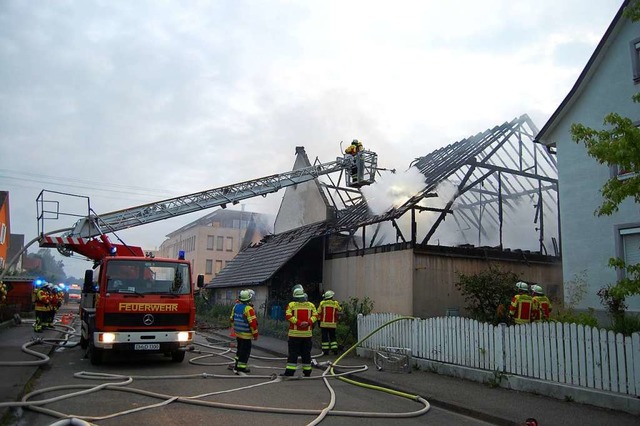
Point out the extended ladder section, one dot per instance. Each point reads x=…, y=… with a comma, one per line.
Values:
x=94, y=225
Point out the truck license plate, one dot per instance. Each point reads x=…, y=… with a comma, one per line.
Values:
x=147, y=346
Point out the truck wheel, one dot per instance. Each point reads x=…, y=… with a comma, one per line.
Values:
x=84, y=343
x=95, y=355
x=177, y=356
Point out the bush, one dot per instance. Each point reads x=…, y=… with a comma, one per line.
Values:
x=488, y=294
x=626, y=324
x=347, y=330
x=570, y=316
x=216, y=316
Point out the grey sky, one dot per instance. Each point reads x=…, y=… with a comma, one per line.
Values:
x=130, y=102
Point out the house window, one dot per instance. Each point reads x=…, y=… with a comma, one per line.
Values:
x=220, y=243
x=631, y=245
x=635, y=59
x=218, y=266
x=208, y=269
x=229, y=243
x=620, y=173
x=3, y=233
x=210, y=241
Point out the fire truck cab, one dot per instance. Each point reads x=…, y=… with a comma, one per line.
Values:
x=138, y=304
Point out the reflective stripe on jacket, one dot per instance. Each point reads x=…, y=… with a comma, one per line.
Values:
x=328, y=313
x=521, y=307
x=42, y=300
x=244, y=321
x=297, y=313
x=541, y=308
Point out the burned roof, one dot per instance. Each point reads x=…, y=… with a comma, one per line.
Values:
x=476, y=166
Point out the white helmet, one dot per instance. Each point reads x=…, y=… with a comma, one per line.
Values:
x=245, y=296
x=328, y=295
x=298, y=293
x=537, y=289
x=521, y=285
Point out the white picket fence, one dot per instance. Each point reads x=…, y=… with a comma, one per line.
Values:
x=564, y=353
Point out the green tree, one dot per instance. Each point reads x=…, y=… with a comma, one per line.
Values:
x=617, y=145
x=50, y=269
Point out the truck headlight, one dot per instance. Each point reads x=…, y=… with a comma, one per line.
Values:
x=106, y=337
x=185, y=336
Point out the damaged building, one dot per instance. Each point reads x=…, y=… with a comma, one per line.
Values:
x=488, y=200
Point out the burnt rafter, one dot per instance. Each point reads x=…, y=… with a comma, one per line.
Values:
x=507, y=150
x=490, y=170
x=511, y=171
x=447, y=207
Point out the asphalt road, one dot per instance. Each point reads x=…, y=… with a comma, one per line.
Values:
x=210, y=393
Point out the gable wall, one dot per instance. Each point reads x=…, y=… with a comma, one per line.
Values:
x=589, y=241
x=301, y=204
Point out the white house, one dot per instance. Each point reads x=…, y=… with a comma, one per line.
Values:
x=607, y=84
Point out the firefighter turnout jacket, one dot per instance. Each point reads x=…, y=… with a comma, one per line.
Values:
x=43, y=300
x=521, y=308
x=328, y=313
x=298, y=313
x=244, y=322
x=541, y=308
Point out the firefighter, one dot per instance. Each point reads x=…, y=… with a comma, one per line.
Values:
x=245, y=326
x=52, y=305
x=541, y=304
x=328, y=311
x=42, y=308
x=301, y=315
x=354, y=148
x=351, y=152
x=59, y=300
x=521, y=304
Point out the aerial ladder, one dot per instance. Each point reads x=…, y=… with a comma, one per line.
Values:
x=88, y=236
x=142, y=303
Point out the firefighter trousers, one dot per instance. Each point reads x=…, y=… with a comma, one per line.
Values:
x=329, y=341
x=299, y=346
x=243, y=353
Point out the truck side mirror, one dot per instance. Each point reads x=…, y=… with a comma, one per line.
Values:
x=87, y=285
x=200, y=281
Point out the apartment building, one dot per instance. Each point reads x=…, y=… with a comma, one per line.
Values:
x=213, y=240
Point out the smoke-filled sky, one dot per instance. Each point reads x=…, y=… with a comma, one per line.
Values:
x=129, y=102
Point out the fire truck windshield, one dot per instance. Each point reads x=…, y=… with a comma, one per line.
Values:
x=147, y=277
